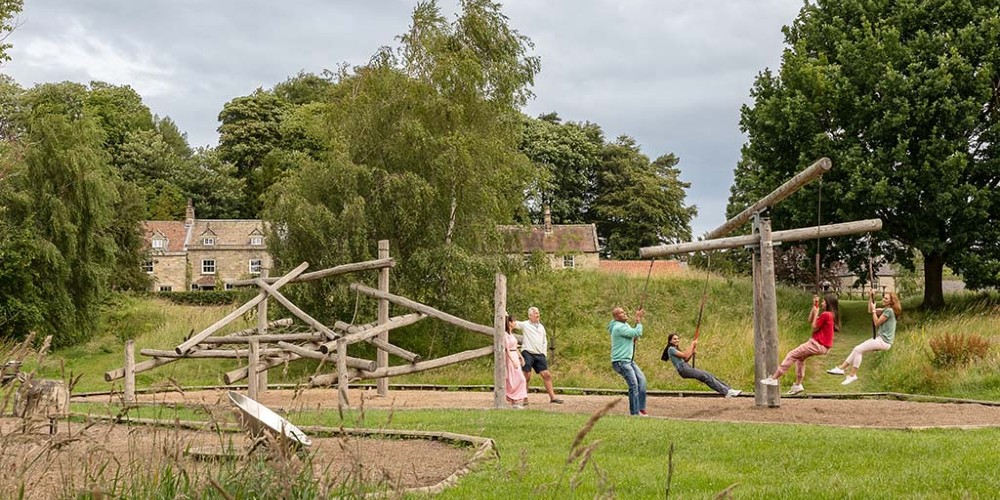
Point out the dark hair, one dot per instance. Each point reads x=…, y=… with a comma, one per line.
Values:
x=671, y=336
x=833, y=305
x=510, y=318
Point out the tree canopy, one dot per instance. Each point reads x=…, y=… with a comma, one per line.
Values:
x=903, y=97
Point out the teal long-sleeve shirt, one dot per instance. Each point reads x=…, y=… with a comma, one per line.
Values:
x=622, y=340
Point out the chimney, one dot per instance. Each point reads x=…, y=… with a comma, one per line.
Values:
x=189, y=214
x=548, y=219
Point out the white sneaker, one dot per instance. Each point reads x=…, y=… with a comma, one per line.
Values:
x=769, y=381
x=796, y=388
x=733, y=393
x=836, y=370
x=849, y=380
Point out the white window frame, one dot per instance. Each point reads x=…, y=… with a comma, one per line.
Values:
x=166, y=288
x=257, y=240
x=147, y=266
x=569, y=261
x=159, y=244
x=250, y=266
x=229, y=286
x=205, y=266
x=208, y=241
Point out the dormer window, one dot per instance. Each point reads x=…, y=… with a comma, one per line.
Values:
x=257, y=240
x=159, y=244
x=208, y=241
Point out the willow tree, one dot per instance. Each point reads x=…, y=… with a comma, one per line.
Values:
x=422, y=149
x=903, y=97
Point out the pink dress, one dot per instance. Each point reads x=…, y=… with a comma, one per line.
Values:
x=516, y=387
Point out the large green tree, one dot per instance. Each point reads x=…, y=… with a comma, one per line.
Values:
x=8, y=12
x=421, y=148
x=903, y=97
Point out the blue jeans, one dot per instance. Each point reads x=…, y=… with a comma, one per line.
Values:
x=704, y=377
x=636, y=384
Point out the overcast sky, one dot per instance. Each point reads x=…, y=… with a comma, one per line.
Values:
x=672, y=74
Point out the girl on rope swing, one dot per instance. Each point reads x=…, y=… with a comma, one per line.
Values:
x=680, y=360
x=824, y=324
x=885, y=320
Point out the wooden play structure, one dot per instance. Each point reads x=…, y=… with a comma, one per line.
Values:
x=761, y=241
x=266, y=346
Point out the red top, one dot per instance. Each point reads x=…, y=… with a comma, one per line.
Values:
x=824, y=334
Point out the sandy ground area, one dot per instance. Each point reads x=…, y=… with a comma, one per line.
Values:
x=877, y=413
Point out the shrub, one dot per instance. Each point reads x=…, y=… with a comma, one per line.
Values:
x=203, y=297
x=956, y=350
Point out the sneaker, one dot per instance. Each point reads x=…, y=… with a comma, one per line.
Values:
x=518, y=406
x=556, y=401
x=733, y=393
x=849, y=380
x=642, y=413
x=769, y=381
x=836, y=370
x=796, y=388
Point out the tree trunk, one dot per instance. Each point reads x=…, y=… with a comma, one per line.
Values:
x=933, y=271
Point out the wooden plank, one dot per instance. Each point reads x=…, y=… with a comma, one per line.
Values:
x=828, y=231
x=195, y=340
x=425, y=309
x=804, y=177
x=324, y=273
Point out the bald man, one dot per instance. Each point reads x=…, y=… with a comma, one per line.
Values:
x=622, y=354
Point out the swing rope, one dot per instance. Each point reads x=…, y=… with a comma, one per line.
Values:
x=871, y=281
x=701, y=308
x=819, y=212
x=642, y=301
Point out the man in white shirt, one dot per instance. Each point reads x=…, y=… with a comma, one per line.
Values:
x=534, y=345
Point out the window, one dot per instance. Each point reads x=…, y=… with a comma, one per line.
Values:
x=208, y=241
x=229, y=286
x=147, y=266
x=255, y=265
x=165, y=288
x=194, y=286
x=569, y=261
x=159, y=244
x=257, y=240
x=208, y=266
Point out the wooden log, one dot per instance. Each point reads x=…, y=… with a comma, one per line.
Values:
x=395, y=350
x=804, y=177
x=195, y=340
x=292, y=308
x=759, y=359
x=359, y=334
x=393, y=371
x=360, y=363
x=207, y=353
x=252, y=363
x=266, y=339
x=129, y=395
x=149, y=364
x=499, y=345
x=828, y=231
x=262, y=328
x=324, y=273
x=425, y=309
x=255, y=330
x=381, y=356
x=342, y=380
x=769, y=307
x=233, y=376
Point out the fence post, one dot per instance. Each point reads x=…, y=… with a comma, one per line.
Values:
x=499, y=348
x=129, y=371
x=381, y=356
x=253, y=391
x=261, y=330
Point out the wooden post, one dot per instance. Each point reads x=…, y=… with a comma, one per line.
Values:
x=342, y=402
x=381, y=356
x=253, y=362
x=499, y=349
x=262, y=330
x=129, y=371
x=768, y=308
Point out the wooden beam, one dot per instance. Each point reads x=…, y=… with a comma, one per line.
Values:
x=242, y=372
x=425, y=309
x=292, y=308
x=255, y=330
x=191, y=342
x=828, y=231
x=149, y=364
x=804, y=177
x=499, y=344
x=382, y=357
x=392, y=371
x=129, y=371
x=768, y=308
x=269, y=338
x=207, y=353
x=360, y=363
x=364, y=333
x=252, y=362
x=324, y=273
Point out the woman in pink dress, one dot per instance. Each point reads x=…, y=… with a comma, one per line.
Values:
x=516, y=387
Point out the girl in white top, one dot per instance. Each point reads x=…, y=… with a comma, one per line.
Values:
x=885, y=319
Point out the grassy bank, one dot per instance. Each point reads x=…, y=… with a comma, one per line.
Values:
x=576, y=309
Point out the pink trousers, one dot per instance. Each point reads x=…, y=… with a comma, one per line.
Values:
x=798, y=357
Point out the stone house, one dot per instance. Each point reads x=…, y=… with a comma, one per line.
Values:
x=203, y=254
x=567, y=246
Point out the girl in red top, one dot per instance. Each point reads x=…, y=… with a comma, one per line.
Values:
x=824, y=324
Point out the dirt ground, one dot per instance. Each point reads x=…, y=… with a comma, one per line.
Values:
x=67, y=463
x=875, y=413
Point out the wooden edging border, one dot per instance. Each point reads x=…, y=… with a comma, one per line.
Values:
x=486, y=448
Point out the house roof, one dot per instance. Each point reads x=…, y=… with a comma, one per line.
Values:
x=563, y=238
x=227, y=232
x=641, y=267
x=173, y=231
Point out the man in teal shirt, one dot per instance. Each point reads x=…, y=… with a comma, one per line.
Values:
x=623, y=339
